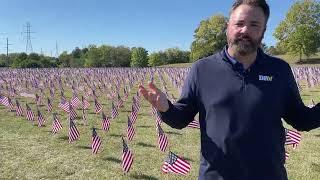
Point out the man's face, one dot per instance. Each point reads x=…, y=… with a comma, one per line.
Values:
x=245, y=30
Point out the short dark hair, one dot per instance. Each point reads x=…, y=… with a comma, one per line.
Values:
x=257, y=3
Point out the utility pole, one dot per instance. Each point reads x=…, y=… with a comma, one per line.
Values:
x=7, y=47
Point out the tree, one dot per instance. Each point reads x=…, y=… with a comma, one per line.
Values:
x=157, y=59
x=299, y=32
x=65, y=59
x=139, y=57
x=209, y=37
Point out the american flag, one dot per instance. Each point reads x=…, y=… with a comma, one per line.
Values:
x=40, y=118
x=133, y=116
x=120, y=101
x=114, y=111
x=73, y=131
x=19, y=110
x=176, y=164
x=162, y=139
x=49, y=105
x=64, y=105
x=85, y=103
x=56, y=125
x=95, y=142
x=127, y=157
x=286, y=155
x=75, y=101
x=29, y=113
x=194, y=124
x=72, y=113
x=105, y=122
x=292, y=137
x=130, y=130
x=97, y=106
x=6, y=101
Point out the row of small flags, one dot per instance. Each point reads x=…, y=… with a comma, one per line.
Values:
x=127, y=156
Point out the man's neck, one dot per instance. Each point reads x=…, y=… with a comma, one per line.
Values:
x=246, y=60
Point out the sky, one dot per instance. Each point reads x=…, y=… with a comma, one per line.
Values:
x=154, y=25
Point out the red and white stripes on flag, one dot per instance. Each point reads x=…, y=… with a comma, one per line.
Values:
x=49, y=105
x=40, y=119
x=19, y=110
x=72, y=113
x=85, y=103
x=194, y=124
x=162, y=139
x=56, y=125
x=114, y=111
x=133, y=116
x=105, y=122
x=29, y=113
x=176, y=164
x=97, y=106
x=64, y=105
x=95, y=142
x=130, y=130
x=127, y=157
x=75, y=101
x=73, y=131
x=292, y=137
x=286, y=155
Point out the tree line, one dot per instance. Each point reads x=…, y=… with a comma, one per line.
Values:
x=298, y=34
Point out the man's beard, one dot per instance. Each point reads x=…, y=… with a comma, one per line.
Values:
x=244, y=45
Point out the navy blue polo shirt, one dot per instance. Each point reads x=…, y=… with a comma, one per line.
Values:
x=242, y=136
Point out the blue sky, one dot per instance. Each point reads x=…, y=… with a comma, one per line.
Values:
x=154, y=25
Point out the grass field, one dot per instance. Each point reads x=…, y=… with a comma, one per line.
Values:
x=30, y=152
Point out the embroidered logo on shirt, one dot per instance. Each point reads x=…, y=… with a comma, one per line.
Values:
x=265, y=78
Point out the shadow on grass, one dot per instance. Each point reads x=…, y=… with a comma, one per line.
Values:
x=309, y=61
x=112, y=159
x=64, y=137
x=318, y=135
x=174, y=133
x=145, y=145
x=143, y=176
x=188, y=159
x=115, y=135
x=84, y=147
x=144, y=126
x=315, y=167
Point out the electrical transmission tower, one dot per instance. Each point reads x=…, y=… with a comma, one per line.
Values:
x=28, y=38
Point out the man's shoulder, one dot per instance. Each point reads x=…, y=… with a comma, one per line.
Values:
x=209, y=60
x=276, y=62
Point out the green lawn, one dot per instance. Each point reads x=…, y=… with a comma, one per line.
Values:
x=30, y=152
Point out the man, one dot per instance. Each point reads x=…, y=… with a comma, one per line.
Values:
x=241, y=94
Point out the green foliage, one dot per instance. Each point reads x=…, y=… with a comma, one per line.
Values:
x=169, y=56
x=209, y=37
x=299, y=32
x=157, y=59
x=139, y=57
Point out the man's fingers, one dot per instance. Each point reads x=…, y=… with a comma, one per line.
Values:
x=143, y=91
x=153, y=87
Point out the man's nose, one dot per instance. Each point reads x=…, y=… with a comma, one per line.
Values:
x=244, y=29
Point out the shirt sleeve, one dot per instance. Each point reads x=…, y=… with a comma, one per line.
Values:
x=296, y=113
x=181, y=113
